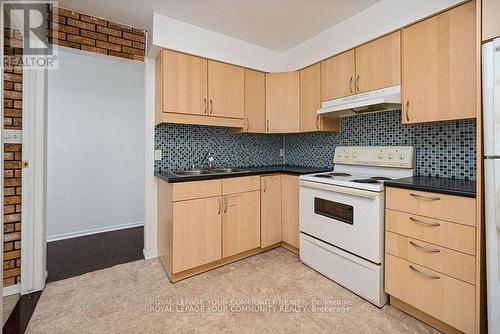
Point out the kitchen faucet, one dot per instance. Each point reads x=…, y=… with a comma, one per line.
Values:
x=208, y=157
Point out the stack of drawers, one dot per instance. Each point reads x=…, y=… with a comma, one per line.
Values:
x=430, y=254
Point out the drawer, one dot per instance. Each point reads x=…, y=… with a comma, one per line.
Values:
x=455, y=264
x=450, y=300
x=450, y=235
x=240, y=184
x=196, y=189
x=446, y=207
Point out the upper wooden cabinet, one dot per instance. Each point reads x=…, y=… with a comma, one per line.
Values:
x=255, y=102
x=378, y=63
x=491, y=19
x=282, y=102
x=337, y=76
x=310, y=102
x=226, y=90
x=439, y=67
x=184, y=83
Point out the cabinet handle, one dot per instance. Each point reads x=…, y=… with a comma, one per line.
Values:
x=357, y=84
x=424, y=223
x=423, y=274
x=205, y=103
x=406, y=112
x=425, y=198
x=225, y=204
x=267, y=125
x=211, y=107
x=350, y=85
x=425, y=249
x=265, y=186
x=218, y=213
x=248, y=123
x=317, y=122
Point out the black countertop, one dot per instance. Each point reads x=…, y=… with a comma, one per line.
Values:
x=466, y=188
x=296, y=170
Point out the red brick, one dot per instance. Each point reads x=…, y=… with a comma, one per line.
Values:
x=132, y=51
x=120, y=54
x=139, y=58
x=57, y=18
x=17, y=226
x=139, y=45
x=93, y=19
x=12, y=148
x=56, y=34
x=18, y=87
x=108, y=46
x=80, y=40
x=64, y=28
x=94, y=49
x=8, y=155
x=18, y=156
x=8, y=121
x=94, y=35
x=18, y=104
x=9, y=264
x=17, y=122
x=12, y=200
x=133, y=37
x=120, y=41
x=8, y=173
x=12, y=218
x=109, y=31
x=65, y=12
x=12, y=165
x=10, y=94
x=13, y=43
x=65, y=43
x=9, y=281
x=8, y=85
x=11, y=255
x=119, y=26
x=11, y=272
x=9, y=209
x=12, y=182
x=7, y=103
x=80, y=24
x=138, y=32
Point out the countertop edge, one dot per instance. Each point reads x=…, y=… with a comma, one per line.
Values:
x=456, y=192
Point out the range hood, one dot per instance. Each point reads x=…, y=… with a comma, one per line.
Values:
x=375, y=101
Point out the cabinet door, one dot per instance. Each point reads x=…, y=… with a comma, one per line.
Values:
x=378, y=63
x=282, y=102
x=270, y=210
x=337, y=76
x=290, y=209
x=491, y=19
x=439, y=67
x=255, y=101
x=240, y=223
x=310, y=102
x=226, y=90
x=184, y=83
x=196, y=232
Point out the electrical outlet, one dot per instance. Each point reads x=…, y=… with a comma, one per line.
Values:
x=282, y=152
x=158, y=155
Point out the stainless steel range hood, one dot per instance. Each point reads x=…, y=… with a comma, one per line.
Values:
x=375, y=101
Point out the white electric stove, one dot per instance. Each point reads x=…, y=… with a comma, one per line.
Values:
x=342, y=216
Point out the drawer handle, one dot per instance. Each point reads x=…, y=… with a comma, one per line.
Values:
x=425, y=249
x=423, y=274
x=225, y=204
x=218, y=213
x=425, y=198
x=424, y=223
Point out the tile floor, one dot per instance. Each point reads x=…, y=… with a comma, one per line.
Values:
x=9, y=302
x=122, y=299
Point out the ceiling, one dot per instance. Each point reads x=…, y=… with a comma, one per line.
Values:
x=274, y=24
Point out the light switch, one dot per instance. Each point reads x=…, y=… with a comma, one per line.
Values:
x=157, y=155
x=282, y=152
x=12, y=136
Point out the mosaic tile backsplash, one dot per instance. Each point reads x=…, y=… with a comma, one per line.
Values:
x=445, y=149
x=185, y=145
x=442, y=149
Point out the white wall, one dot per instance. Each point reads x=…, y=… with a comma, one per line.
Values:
x=95, y=158
x=381, y=18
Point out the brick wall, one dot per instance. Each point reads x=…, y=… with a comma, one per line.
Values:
x=13, y=87
x=89, y=33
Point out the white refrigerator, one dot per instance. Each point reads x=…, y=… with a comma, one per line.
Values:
x=491, y=124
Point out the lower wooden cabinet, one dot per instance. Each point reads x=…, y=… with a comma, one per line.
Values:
x=196, y=232
x=270, y=210
x=290, y=210
x=240, y=223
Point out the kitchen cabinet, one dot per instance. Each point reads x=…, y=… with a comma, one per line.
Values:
x=194, y=90
x=337, y=76
x=491, y=19
x=196, y=232
x=241, y=223
x=255, y=102
x=310, y=102
x=270, y=210
x=226, y=89
x=282, y=102
x=290, y=209
x=439, y=67
x=430, y=257
x=184, y=83
x=378, y=63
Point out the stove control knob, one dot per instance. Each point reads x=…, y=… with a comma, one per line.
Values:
x=380, y=155
x=391, y=155
x=355, y=155
x=340, y=155
x=347, y=155
x=401, y=156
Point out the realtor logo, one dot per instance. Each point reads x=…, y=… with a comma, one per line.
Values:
x=25, y=35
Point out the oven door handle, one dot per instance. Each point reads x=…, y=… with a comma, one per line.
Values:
x=337, y=189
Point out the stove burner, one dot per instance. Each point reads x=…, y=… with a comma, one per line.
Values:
x=380, y=178
x=365, y=181
x=340, y=174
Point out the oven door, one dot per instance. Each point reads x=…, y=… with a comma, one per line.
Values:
x=350, y=219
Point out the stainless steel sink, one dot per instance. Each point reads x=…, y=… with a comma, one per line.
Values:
x=208, y=171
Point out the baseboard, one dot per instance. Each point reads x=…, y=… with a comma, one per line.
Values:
x=91, y=231
x=76, y=256
x=11, y=289
x=150, y=255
